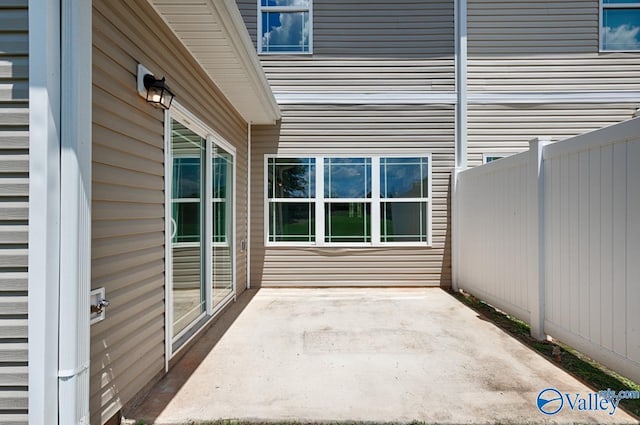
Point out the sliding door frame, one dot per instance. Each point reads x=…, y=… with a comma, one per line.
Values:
x=184, y=116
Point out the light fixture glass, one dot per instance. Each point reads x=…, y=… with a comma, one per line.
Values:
x=153, y=90
x=158, y=94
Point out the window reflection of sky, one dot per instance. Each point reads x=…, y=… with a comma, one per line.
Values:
x=347, y=178
x=186, y=178
x=285, y=31
x=403, y=177
x=621, y=29
x=290, y=3
x=292, y=178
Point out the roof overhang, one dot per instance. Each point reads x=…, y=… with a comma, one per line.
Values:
x=215, y=34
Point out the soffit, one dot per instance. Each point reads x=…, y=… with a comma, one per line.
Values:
x=215, y=34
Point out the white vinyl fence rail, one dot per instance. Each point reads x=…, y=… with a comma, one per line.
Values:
x=552, y=237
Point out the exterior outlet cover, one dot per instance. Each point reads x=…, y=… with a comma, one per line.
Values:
x=96, y=296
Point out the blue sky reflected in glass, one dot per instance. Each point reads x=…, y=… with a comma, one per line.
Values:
x=347, y=178
x=621, y=29
x=288, y=3
x=404, y=177
x=186, y=178
x=292, y=177
x=285, y=32
x=220, y=175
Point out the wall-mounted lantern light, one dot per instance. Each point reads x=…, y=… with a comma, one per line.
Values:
x=154, y=90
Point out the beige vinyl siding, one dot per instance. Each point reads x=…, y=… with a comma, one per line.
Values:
x=368, y=45
x=361, y=130
x=128, y=259
x=14, y=202
x=508, y=128
x=543, y=45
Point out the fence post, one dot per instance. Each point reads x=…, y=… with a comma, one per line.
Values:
x=455, y=239
x=536, y=237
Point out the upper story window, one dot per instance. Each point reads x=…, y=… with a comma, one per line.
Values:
x=285, y=26
x=620, y=25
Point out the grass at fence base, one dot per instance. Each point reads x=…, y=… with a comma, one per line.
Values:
x=582, y=367
x=239, y=422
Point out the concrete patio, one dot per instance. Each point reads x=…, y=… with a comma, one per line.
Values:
x=382, y=355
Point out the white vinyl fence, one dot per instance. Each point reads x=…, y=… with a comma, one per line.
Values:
x=552, y=237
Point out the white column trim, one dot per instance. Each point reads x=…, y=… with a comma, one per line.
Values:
x=75, y=212
x=44, y=209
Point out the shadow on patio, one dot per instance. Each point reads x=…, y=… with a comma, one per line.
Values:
x=381, y=355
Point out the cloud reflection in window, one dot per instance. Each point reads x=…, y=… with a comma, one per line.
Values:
x=285, y=29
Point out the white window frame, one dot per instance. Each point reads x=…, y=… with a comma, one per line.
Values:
x=498, y=155
x=174, y=229
x=174, y=344
x=375, y=201
x=229, y=209
x=322, y=201
x=283, y=9
x=604, y=6
x=267, y=202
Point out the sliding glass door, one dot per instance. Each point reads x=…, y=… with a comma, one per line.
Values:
x=188, y=293
x=200, y=213
x=221, y=246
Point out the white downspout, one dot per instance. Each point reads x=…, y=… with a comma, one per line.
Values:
x=248, y=243
x=461, y=83
x=75, y=210
x=44, y=210
x=460, y=147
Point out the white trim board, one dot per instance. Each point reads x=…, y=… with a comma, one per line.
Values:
x=357, y=98
x=620, y=96
x=75, y=212
x=44, y=210
x=472, y=97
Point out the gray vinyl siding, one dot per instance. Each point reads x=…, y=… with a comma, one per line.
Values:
x=14, y=207
x=128, y=258
x=368, y=45
x=362, y=129
x=543, y=45
x=508, y=128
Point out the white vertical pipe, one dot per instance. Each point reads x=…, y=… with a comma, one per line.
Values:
x=460, y=130
x=75, y=210
x=44, y=209
x=460, y=23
